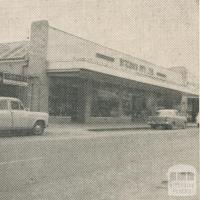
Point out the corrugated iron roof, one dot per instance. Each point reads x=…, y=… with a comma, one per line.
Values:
x=13, y=50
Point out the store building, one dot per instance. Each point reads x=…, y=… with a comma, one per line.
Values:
x=78, y=80
x=14, y=81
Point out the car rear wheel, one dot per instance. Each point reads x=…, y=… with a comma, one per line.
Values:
x=169, y=127
x=184, y=125
x=38, y=128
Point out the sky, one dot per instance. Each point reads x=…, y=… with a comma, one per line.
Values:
x=164, y=32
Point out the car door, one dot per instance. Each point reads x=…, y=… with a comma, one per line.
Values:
x=20, y=115
x=5, y=116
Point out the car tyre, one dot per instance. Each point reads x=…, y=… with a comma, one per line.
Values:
x=153, y=126
x=170, y=127
x=184, y=125
x=38, y=128
x=166, y=127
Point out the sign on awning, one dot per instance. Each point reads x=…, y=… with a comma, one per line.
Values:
x=13, y=79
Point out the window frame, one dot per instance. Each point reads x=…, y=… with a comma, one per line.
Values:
x=20, y=105
x=6, y=104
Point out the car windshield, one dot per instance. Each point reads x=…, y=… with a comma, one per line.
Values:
x=167, y=113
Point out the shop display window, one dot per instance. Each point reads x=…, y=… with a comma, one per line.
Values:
x=105, y=104
x=62, y=101
x=126, y=105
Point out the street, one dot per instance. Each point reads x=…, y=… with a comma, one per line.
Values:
x=96, y=165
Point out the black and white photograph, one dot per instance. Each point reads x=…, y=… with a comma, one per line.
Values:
x=99, y=100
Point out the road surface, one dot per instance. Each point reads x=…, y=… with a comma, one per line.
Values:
x=89, y=165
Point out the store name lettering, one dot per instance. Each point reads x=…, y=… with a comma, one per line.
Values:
x=139, y=68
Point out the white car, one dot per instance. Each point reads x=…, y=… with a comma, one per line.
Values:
x=13, y=117
x=168, y=119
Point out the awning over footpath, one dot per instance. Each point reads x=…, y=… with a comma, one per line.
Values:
x=14, y=50
x=91, y=70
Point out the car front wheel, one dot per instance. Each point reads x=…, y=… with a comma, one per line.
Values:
x=38, y=128
x=153, y=126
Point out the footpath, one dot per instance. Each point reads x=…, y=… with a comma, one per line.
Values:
x=72, y=127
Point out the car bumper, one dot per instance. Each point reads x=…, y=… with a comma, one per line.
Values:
x=159, y=123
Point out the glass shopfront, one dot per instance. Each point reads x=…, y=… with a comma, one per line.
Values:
x=111, y=101
x=63, y=101
x=105, y=104
x=139, y=109
x=63, y=97
x=105, y=101
x=99, y=101
x=126, y=104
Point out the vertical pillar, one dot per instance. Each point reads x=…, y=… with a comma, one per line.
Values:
x=24, y=96
x=84, y=101
x=88, y=100
x=120, y=96
x=34, y=94
x=151, y=103
x=184, y=104
x=80, y=114
x=38, y=64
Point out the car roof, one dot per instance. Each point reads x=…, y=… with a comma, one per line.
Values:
x=168, y=109
x=9, y=98
x=172, y=110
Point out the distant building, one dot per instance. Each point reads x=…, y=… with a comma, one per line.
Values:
x=78, y=80
x=13, y=65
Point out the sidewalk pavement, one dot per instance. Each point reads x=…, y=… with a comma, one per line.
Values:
x=73, y=127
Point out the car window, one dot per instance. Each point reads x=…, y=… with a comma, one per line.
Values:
x=16, y=105
x=3, y=105
x=21, y=106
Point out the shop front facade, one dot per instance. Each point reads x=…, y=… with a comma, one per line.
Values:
x=14, y=82
x=83, y=81
x=76, y=80
x=91, y=97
